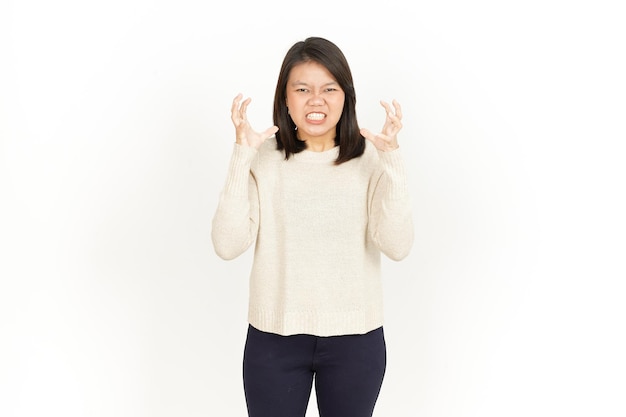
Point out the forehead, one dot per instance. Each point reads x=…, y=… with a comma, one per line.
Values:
x=310, y=72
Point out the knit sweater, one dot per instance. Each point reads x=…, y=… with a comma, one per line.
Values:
x=319, y=230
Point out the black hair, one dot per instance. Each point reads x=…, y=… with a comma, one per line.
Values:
x=322, y=51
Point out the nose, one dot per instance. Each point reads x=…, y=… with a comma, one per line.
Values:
x=316, y=99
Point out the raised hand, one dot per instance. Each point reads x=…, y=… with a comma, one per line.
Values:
x=387, y=139
x=245, y=135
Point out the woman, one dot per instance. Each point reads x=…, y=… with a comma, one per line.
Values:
x=321, y=199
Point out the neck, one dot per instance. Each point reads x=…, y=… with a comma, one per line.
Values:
x=319, y=145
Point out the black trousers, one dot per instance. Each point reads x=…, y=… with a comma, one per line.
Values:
x=278, y=373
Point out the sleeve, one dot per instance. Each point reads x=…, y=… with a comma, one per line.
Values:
x=236, y=220
x=390, y=219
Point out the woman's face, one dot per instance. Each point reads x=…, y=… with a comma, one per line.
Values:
x=315, y=101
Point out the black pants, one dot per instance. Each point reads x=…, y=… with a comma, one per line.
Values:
x=278, y=373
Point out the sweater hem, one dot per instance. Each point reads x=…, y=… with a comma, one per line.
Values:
x=316, y=324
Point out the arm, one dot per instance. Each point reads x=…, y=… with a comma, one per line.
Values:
x=236, y=221
x=390, y=219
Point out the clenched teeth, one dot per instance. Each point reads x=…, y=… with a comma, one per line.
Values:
x=315, y=116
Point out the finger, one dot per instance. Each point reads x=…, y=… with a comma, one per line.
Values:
x=269, y=132
x=392, y=118
x=395, y=117
x=387, y=107
x=238, y=110
x=396, y=105
x=398, y=126
x=234, y=107
x=243, y=109
x=368, y=135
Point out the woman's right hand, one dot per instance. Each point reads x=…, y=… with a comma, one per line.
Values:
x=245, y=135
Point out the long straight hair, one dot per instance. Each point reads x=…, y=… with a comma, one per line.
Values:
x=348, y=137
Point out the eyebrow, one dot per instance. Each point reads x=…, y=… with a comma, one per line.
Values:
x=306, y=84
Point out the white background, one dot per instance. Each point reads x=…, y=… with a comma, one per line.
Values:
x=115, y=137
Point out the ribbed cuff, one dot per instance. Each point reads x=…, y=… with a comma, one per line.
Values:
x=393, y=164
x=239, y=171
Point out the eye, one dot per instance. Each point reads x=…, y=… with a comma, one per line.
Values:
x=301, y=90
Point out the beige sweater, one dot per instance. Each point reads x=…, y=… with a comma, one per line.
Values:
x=319, y=229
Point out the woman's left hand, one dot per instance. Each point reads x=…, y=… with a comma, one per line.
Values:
x=387, y=139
